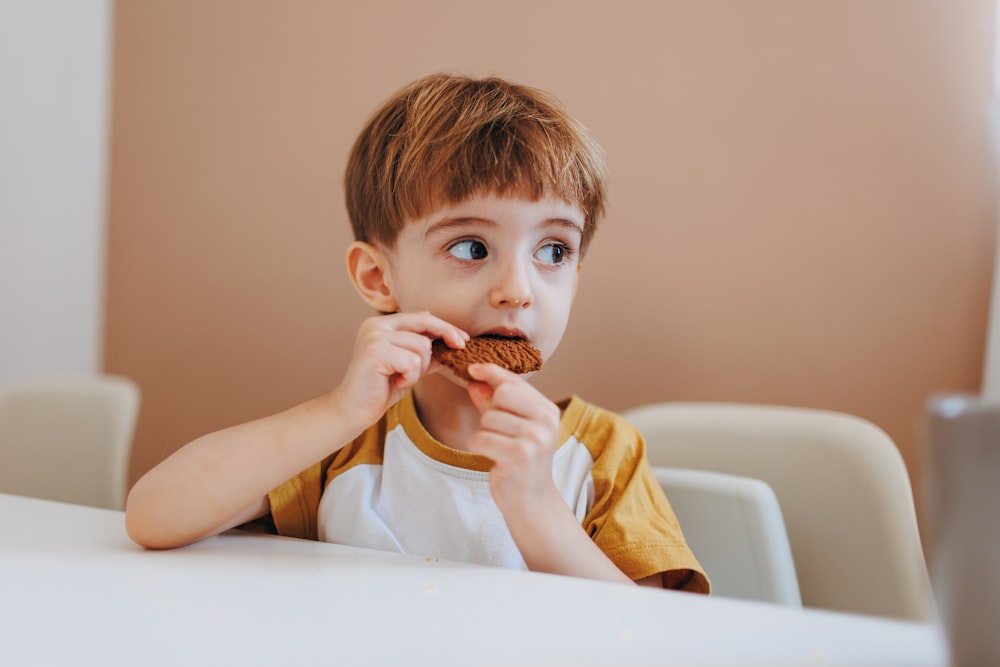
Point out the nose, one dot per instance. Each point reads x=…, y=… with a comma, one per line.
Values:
x=512, y=288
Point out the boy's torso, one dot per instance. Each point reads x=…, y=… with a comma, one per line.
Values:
x=395, y=488
x=408, y=493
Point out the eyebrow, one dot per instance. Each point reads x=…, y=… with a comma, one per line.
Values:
x=444, y=225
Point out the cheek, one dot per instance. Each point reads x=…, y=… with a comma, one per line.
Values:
x=415, y=286
x=442, y=298
x=555, y=320
x=561, y=291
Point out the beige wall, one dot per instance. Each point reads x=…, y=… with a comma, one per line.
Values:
x=802, y=196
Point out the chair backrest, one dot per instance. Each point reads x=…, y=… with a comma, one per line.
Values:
x=843, y=487
x=68, y=439
x=734, y=526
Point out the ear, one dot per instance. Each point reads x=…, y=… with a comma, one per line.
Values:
x=366, y=266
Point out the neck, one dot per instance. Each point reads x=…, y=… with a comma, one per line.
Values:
x=446, y=410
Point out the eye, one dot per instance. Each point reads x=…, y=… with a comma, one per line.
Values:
x=469, y=250
x=553, y=253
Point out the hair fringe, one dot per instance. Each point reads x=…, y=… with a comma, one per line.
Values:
x=445, y=138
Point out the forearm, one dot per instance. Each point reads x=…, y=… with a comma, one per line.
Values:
x=551, y=540
x=200, y=489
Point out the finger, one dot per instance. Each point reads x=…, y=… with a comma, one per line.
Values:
x=506, y=423
x=523, y=440
x=404, y=367
x=491, y=374
x=488, y=380
x=413, y=343
x=408, y=340
x=398, y=352
x=481, y=395
x=507, y=454
x=510, y=391
x=428, y=325
x=490, y=445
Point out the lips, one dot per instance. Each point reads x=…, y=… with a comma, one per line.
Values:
x=504, y=332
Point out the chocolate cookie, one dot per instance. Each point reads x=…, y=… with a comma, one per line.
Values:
x=514, y=354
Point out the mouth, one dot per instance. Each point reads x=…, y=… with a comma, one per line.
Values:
x=505, y=333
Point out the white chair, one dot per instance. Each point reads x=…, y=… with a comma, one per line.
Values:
x=68, y=439
x=844, y=491
x=734, y=526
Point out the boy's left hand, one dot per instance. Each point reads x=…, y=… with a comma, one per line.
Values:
x=519, y=431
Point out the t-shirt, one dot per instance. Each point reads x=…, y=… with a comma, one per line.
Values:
x=396, y=488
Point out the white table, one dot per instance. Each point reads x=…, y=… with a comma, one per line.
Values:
x=75, y=591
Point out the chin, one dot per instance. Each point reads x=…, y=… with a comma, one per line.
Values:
x=447, y=377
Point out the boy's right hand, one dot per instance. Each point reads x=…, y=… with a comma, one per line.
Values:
x=391, y=353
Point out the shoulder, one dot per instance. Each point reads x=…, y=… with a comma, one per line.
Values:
x=295, y=503
x=599, y=429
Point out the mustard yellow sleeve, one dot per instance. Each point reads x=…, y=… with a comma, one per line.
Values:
x=631, y=519
x=295, y=503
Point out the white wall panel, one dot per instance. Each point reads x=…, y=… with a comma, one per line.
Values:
x=55, y=58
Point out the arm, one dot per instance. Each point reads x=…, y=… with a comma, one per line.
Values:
x=222, y=479
x=519, y=430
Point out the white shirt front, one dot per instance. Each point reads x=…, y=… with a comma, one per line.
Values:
x=465, y=524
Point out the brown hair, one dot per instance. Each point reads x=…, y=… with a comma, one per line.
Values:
x=445, y=138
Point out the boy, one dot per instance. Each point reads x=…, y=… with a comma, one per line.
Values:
x=472, y=204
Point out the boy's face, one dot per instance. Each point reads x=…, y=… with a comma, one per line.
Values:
x=502, y=265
